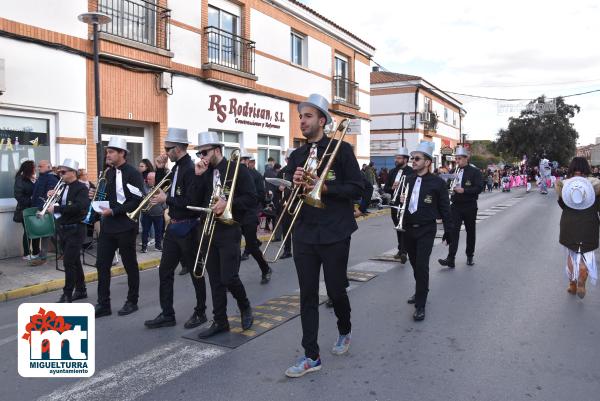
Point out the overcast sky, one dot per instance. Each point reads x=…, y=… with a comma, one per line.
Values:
x=507, y=49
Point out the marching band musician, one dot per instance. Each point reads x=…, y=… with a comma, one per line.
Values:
x=250, y=223
x=69, y=213
x=322, y=236
x=391, y=185
x=223, y=263
x=427, y=200
x=464, y=206
x=124, y=186
x=181, y=240
x=281, y=195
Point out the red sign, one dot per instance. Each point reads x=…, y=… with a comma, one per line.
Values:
x=245, y=113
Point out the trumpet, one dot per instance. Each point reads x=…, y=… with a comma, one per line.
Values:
x=455, y=181
x=55, y=198
x=211, y=219
x=293, y=204
x=146, y=204
x=403, y=190
x=397, y=180
x=99, y=195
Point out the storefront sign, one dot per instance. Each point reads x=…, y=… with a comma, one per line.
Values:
x=354, y=127
x=446, y=150
x=245, y=112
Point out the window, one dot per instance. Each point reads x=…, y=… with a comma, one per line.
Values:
x=454, y=119
x=298, y=142
x=223, y=46
x=341, y=78
x=230, y=139
x=21, y=138
x=445, y=114
x=268, y=146
x=298, y=43
x=427, y=107
x=134, y=137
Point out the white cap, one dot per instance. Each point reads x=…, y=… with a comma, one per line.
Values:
x=426, y=148
x=117, y=143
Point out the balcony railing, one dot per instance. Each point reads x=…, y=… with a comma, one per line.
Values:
x=138, y=20
x=345, y=91
x=228, y=50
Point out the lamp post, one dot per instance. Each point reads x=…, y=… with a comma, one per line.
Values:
x=96, y=19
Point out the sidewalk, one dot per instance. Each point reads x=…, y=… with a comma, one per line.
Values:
x=19, y=280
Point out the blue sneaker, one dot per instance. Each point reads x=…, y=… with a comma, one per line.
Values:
x=342, y=344
x=303, y=366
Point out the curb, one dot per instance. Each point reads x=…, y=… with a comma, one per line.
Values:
x=52, y=285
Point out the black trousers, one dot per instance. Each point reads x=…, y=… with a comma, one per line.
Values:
x=71, y=240
x=179, y=250
x=283, y=229
x=419, y=243
x=468, y=215
x=252, y=248
x=308, y=259
x=399, y=234
x=223, y=266
x=108, y=243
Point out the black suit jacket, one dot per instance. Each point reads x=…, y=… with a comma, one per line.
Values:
x=472, y=182
x=119, y=222
x=76, y=206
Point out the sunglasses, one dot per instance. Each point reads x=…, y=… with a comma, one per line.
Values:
x=204, y=152
x=416, y=158
x=62, y=172
x=169, y=148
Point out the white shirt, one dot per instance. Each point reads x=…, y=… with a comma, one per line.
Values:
x=414, y=198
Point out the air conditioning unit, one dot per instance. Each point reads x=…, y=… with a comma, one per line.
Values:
x=425, y=117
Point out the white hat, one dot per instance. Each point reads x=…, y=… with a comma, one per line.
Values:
x=70, y=164
x=578, y=193
x=318, y=102
x=461, y=151
x=426, y=148
x=246, y=156
x=177, y=135
x=208, y=138
x=117, y=143
x=402, y=151
x=288, y=152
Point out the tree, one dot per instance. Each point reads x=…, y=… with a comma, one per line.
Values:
x=536, y=135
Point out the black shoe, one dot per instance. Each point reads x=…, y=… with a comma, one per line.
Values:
x=65, y=299
x=247, y=318
x=398, y=255
x=195, y=320
x=447, y=262
x=160, y=321
x=411, y=300
x=266, y=277
x=244, y=256
x=403, y=258
x=329, y=303
x=215, y=328
x=419, y=314
x=470, y=261
x=183, y=271
x=128, y=308
x=102, y=310
x=286, y=255
x=79, y=295
x=158, y=248
x=144, y=249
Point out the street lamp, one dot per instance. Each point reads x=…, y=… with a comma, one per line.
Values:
x=96, y=19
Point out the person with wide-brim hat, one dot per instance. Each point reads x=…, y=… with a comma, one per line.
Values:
x=124, y=192
x=579, y=198
x=223, y=260
x=401, y=168
x=427, y=199
x=180, y=242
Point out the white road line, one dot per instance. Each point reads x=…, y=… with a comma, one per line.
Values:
x=8, y=340
x=6, y=326
x=132, y=379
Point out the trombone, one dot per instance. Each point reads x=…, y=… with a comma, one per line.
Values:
x=455, y=181
x=55, y=198
x=211, y=219
x=293, y=204
x=146, y=204
x=397, y=180
x=99, y=195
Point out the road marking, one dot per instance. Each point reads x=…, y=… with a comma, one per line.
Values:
x=6, y=326
x=133, y=378
x=8, y=340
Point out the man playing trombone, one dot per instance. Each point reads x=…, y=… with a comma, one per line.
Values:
x=466, y=188
x=321, y=235
x=71, y=205
x=214, y=171
x=181, y=239
x=392, y=186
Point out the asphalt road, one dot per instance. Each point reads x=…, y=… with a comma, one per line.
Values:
x=504, y=329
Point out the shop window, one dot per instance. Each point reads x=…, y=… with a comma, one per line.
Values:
x=21, y=138
x=268, y=146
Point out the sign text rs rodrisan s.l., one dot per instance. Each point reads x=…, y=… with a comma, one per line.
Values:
x=245, y=113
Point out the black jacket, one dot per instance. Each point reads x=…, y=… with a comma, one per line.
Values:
x=23, y=189
x=76, y=205
x=433, y=202
x=259, y=185
x=336, y=221
x=185, y=193
x=119, y=222
x=472, y=182
x=406, y=170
